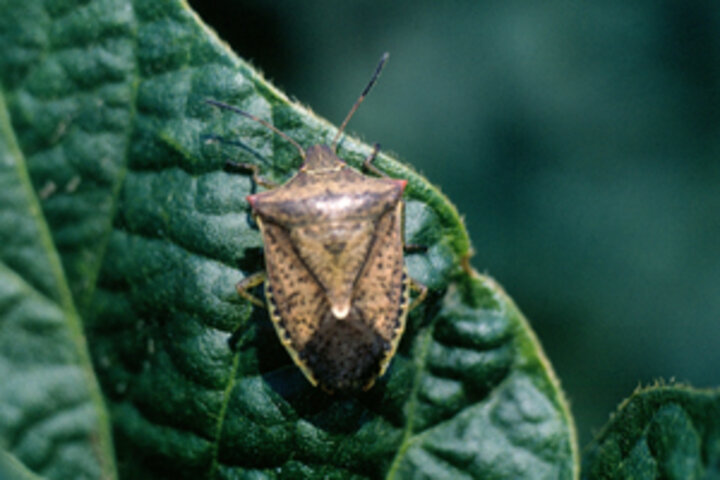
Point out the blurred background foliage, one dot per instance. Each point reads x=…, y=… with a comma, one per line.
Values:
x=579, y=139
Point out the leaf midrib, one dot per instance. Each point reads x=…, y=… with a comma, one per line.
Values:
x=227, y=395
x=408, y=435
x=65, y=300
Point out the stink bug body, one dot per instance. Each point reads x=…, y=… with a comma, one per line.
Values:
x=335, y=281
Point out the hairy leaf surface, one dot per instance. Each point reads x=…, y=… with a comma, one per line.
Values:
x=669, y=432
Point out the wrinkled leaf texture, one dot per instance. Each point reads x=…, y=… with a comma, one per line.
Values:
x=52, y=420
x=106, y=99
x=669, y=432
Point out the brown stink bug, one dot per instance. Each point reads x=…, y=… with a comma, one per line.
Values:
x=335, y=282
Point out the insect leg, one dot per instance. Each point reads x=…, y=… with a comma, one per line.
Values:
x=415, y=248
x=422, y=293
x=231, y=166
x=247, y=283
x=368, y=165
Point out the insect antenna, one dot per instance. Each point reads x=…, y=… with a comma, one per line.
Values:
x=374, y=77
x=215, y=103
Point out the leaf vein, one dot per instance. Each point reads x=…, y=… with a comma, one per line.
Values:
x=222, y=415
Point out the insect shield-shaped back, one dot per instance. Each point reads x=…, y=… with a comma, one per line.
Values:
x=336, y=283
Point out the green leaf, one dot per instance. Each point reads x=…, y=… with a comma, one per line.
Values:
x=51, y=415
x=12, y=469
x=107, y=98
x=669, y=432
x=69, y=76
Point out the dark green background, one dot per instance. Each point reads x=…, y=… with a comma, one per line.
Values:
x=579, y=139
